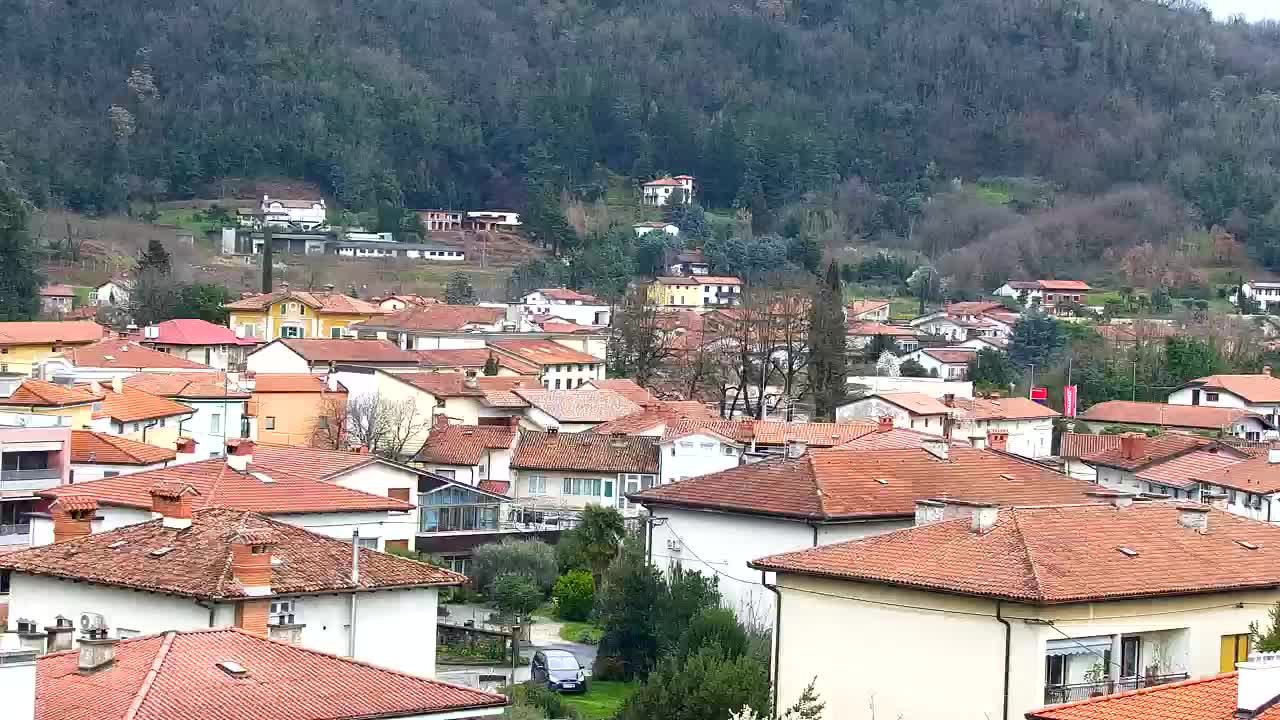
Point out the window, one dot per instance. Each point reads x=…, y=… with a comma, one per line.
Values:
x=452, y=508
x=451, y=474
x=588, y=487
x=707, y=445
x=1234, y=649
x=1055, y=670
x=335, y=332
x=368, y=543
x=728, y=450
x=290, y=331
x=537, y=484
x=271, y=423
x=110, y=473
x=557, y=383
x=281, y=613
x=215, y=423
x=1211, y=397
x=456, y=563
x=1130, y=651
x=608, y=488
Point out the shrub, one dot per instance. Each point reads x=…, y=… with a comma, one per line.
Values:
x=714, y=626
x=575, y=595
x=515, y=594
x=530, y=558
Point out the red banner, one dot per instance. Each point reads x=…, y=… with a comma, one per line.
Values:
x=1039, y=394
x=1069, y=394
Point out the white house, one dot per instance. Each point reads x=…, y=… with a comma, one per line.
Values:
x=719, y=290
x=108, y=359
x=933, y=387
x=561, y=473
x=1266, y=294
x=560, y=367
x=194, y=569
x=1259, y=393
x=199, y=341
x=1221, y=421
x=497, y=220
x=1020, y=607
x=867, y=311
x=580, y=308
x=645, y=228
x=719, y=522
x=217, y=403
x=1168, y=464
x=691, y=451
x=470, y=454
x=660, y=191
x=911, y=410
x=947, y=363
x=298, y=214
x=113, y=293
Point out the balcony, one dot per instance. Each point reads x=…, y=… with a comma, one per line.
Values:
x=35, y=479
x=1055, y=694
x=17, y=534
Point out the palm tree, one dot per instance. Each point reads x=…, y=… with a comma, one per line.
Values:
x=600, y=530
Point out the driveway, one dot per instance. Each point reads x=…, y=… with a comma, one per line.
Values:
x=544, y=635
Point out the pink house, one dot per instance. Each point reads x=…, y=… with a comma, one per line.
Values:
x=35, y=455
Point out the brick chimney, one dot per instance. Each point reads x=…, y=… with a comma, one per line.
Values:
x=1133, y=445
x=440, y=420
x=239, y=454
x=251, y=559
x=998, y=439
x=1195, y=517
x=949, y=399
x=186, y=449
x=72, y=516
x=172, y=501
x=1215, y=500
x=97, y=652
x=886, y=424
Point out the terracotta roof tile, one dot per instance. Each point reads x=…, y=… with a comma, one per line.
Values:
x=465, y=444
x=348, y=350
x=568, y=295
x=497, y=487
x=914, y=402
x=897, y=439
x=1010, y=408
x=975, y=307
x=293, y=383
x=133, y=405
x=858, y=307
x=579, y=406
x=1153, y=450
x=840, y=483
x=950, y=356
x=1255, y=475
x=1146, y=413
x=1185, y=470
x=1059, y=554
x=653, y=416
x=189, y=386
x=544, y=352
x=88, y=446
x=127, y=355
x=624, y=387
x=1209, y=698
x=869, y=327
x=273, y=490
x=57, y=291
x=586, y=451
x=452, y=384
x=41, y=393
x=200, y=563
x=473, y=358
x=440, y=318
x=1068, y=285
x=1254, y=388
x=1077, y=445
x=334, y=303
x=175, y=676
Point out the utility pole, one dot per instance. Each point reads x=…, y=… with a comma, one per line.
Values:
x=1134, y=395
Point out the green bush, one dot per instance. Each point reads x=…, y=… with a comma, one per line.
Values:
x=575, y=595
x=515, y=594
x=551, y=703
x=530, y=558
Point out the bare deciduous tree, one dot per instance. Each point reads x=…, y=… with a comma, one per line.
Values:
x=384, y=425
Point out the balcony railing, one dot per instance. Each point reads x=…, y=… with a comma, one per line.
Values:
x=37, y=474
x=17, y=534
x=1055, y=694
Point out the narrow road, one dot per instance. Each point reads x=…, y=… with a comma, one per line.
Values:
x=545, y=634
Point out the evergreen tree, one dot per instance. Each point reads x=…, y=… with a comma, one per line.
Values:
x=268, y=259
x=155, y=258
x=692, y=221
x=458, y=291
x=20, y=277
x=1036, y=339
x=805, y=252
x=827, y=369
x=491, y=366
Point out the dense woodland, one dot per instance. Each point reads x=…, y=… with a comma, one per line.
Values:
x=845, y=115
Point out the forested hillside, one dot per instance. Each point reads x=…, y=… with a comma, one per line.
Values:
x=475, y=102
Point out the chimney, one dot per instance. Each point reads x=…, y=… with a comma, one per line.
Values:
x=1195, y=517
x=30, y=636
x=1133, y=445
x=60, y=634
x=929, y=511
x=251, y=559
x=949, y=400
x=513, y=421
x=1116, y=498
x=618, y=440
x=938, y=448
x=72, y=516
x=979, y=442
x=984, y=518
x=886, y=424
x=553, y=430
x=469, y=379
x=186, y=449
x=1266, y=370
x=117, y=385
x=172, y=501
x=1214, y=500
x=95, y=387
x=1257, y=684
x=998, y=440
x=17, y=680
x=1273, y=453
x=796, y=448
x=97, y=652
x=239, y=454
x=440, y=420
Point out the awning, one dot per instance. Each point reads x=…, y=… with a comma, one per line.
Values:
x=1078, y=646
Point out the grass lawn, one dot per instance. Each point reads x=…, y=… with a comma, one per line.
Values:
x=602, y=700
x=996, y=193
x=186, y=218
x=572, y=631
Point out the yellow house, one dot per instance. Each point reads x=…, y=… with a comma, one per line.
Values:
x=46, y=398
x=24, y=344
x=290, y=407
x=676, y=292
x=297, y=314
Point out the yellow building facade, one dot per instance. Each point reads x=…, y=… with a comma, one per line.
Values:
x=290, y=314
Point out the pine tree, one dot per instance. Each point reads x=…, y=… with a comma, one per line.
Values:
x=458, y=290
x=827, y=369
x=268, y=261
x=155, y=259
x=20, y=277
x=491, y=366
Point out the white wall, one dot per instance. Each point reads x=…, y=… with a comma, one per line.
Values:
x=610, y=489
x=43, y=599
x=276, y=358
x=1032, y=437
x=397, y=629
x=200, y=425
x=84, y=472
x=567, y=376
x=381, y=524
x=695, y=455
x=869, y=409
x=933, y=387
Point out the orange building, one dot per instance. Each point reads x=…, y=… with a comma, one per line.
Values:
x=288, y=406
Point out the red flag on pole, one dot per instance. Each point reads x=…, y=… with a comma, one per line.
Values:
x=1069, y=395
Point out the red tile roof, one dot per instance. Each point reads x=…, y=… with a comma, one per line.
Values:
x=464, y=444
x=663, y=181
x=273, y=490
x=473, y=358
x=1208, y=698
x=1154, y=450
x=322, y=350
x=579, y=406
x=88, y=446
x=175, y=676
x=134, y=405
x=199, y=565
x=976, y=307
x=1010, y=408
x=1059, y=554
x=48, y=333
x=648, y=418
x=190, y=386
x=453, y=384
x=57, y=291
x=193, y=331
x=586, y=451
x=1145, y=413
x=306, y=462
x=950, y=356
x=321, y=302
x=858, y=307
x=914, y=402
x=497, y=487
x=568, y=295
x=40, y=393
x=624, y=387
x=1064, y=285
x=1254, y=388
x=840, y=483
x=128, y=355
x=1255, y=475
x=1077, y=445
x=544, y=352
x=897, y=439
x=441, y=318
x=293, y=383
x=870, y=327
x=1185, y=470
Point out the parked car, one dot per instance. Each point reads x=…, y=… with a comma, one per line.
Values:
x=558, y=670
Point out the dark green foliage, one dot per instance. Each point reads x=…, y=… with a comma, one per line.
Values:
x=154, y=259
x=912, y=368
x=531, y=558
x=1036, y=340
x=203, y=301
x=629, y=614
x=692, y=221
x=708, y=684
x=516, y=594
x=991, y=367
x=575, y=595
x=827, y=366
x=651, y=251
x=714, y=626
x=268, y=260
x=598, y=537
x=537, y=273
x=20, y=277
x=605, y=266
x=458, y=290
x=1187, y=358
x=491, y=367
x=805, y=252
x=1267, y=640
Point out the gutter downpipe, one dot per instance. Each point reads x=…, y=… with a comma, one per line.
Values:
x=649, y=542
x=211, y=607
x=355, y=580
x=777, y=641
x=1008, y=639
